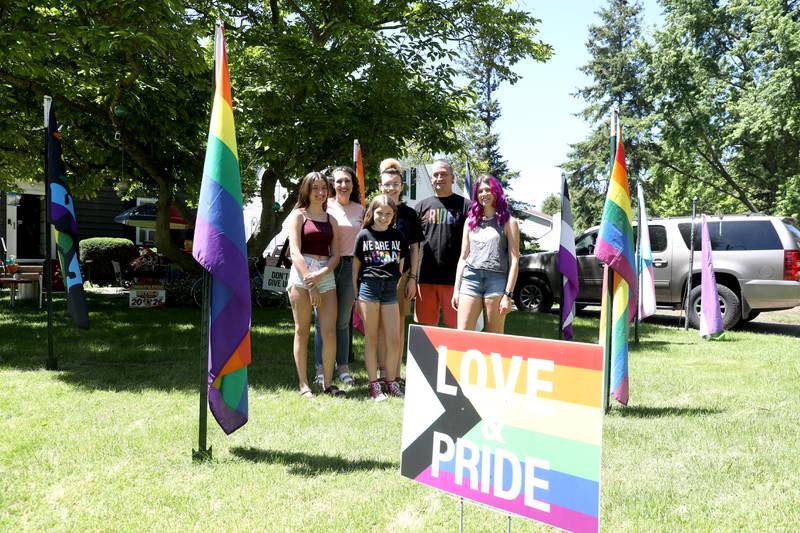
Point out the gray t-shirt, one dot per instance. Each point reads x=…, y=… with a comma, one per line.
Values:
x=488, y=246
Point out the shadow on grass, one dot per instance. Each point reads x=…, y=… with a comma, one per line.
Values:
x=133, y=349
x=641, y=411
x=774, y=328
x=308, y=465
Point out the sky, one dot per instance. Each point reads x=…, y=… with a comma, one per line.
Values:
x=537, y=124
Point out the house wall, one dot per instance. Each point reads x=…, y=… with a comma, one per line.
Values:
x=423, y=187
x=96, y=216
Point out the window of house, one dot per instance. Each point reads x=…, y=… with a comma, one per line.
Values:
x=145, y=236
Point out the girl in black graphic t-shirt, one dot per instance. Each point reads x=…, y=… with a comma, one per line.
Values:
x=378, y=259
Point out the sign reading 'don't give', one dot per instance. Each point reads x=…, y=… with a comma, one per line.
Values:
x=515, y=423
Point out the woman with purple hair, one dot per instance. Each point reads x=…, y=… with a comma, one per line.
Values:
x=489, y=262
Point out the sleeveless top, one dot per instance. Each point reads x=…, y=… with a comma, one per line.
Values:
x=316, y=237
x=488, y=246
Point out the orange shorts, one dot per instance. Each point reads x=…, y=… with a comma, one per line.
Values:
x=430, y=298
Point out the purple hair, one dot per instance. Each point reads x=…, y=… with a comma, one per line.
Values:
x=503, y=213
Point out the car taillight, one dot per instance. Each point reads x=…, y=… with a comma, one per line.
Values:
x=791, y=265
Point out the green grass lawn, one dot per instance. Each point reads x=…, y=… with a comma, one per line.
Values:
x=709, y=442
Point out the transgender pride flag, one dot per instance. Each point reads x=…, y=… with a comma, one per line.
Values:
x=647, y=298
x=219, y=245
x=615, y=249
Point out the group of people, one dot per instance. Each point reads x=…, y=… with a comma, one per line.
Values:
x=388, y=255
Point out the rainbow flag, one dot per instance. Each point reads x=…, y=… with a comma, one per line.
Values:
x=615, y=249
x=220, y=246
x=61, y=214
x=358, y=163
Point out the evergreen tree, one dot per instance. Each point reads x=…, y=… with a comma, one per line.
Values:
x=551, y=205
x=488, y=61
x=616, y=68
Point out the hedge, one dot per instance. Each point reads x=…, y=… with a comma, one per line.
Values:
x=103, y=250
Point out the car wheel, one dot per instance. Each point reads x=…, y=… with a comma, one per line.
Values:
x=533, y=295
x=729, y=306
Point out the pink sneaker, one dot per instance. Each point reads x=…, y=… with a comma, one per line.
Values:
x=393, y=389
x=375, y=392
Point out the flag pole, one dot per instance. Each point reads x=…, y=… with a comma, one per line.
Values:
x=562, y=277
x=52, y=362
x=638, y=267
x=561, y=312
x=691, y=266
x=609, y=295
x=203, y=453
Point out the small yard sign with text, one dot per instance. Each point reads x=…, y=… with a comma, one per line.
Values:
x=276, y=279
x=514, y=423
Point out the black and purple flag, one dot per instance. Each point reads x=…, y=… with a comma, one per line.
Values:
x=61, y=214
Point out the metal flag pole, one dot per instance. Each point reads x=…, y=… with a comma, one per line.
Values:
x=638, y=268
x=203, y=453
x=609, y=280
x=52, y=362
x=691, y=266
x=561, y=311
x=562, y=277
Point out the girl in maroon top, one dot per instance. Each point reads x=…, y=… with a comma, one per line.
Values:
x=313, y=244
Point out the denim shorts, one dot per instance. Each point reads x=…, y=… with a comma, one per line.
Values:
x=378, y=290
x=482, y=283
x=324, y=284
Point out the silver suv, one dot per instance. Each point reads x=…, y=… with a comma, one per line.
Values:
x=756, y=264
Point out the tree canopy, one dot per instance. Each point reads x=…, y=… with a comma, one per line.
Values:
x=710, y=107
x=307, y=78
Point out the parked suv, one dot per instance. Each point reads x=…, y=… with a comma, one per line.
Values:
x=756, y=264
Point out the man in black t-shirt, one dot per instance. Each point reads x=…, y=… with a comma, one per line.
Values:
x=442, y=217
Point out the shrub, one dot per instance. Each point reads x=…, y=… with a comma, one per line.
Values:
x=103, y=250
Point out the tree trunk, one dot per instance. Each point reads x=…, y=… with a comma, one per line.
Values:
x=270, y=222
x=163, y=237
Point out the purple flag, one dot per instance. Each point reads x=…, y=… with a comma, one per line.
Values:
x=567, y=263
x=710, y=315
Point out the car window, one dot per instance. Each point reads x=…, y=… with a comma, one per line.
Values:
x=585, y=244
x=658, y=238
x=735, y=235
x=794, y=231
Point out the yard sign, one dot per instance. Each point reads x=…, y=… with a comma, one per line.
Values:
x=514, y=423
x=276, y=279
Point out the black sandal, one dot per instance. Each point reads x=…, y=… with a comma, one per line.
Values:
x=334, y=391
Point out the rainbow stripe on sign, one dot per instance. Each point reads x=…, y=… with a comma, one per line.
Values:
x=220, y=246
x=510, y=422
